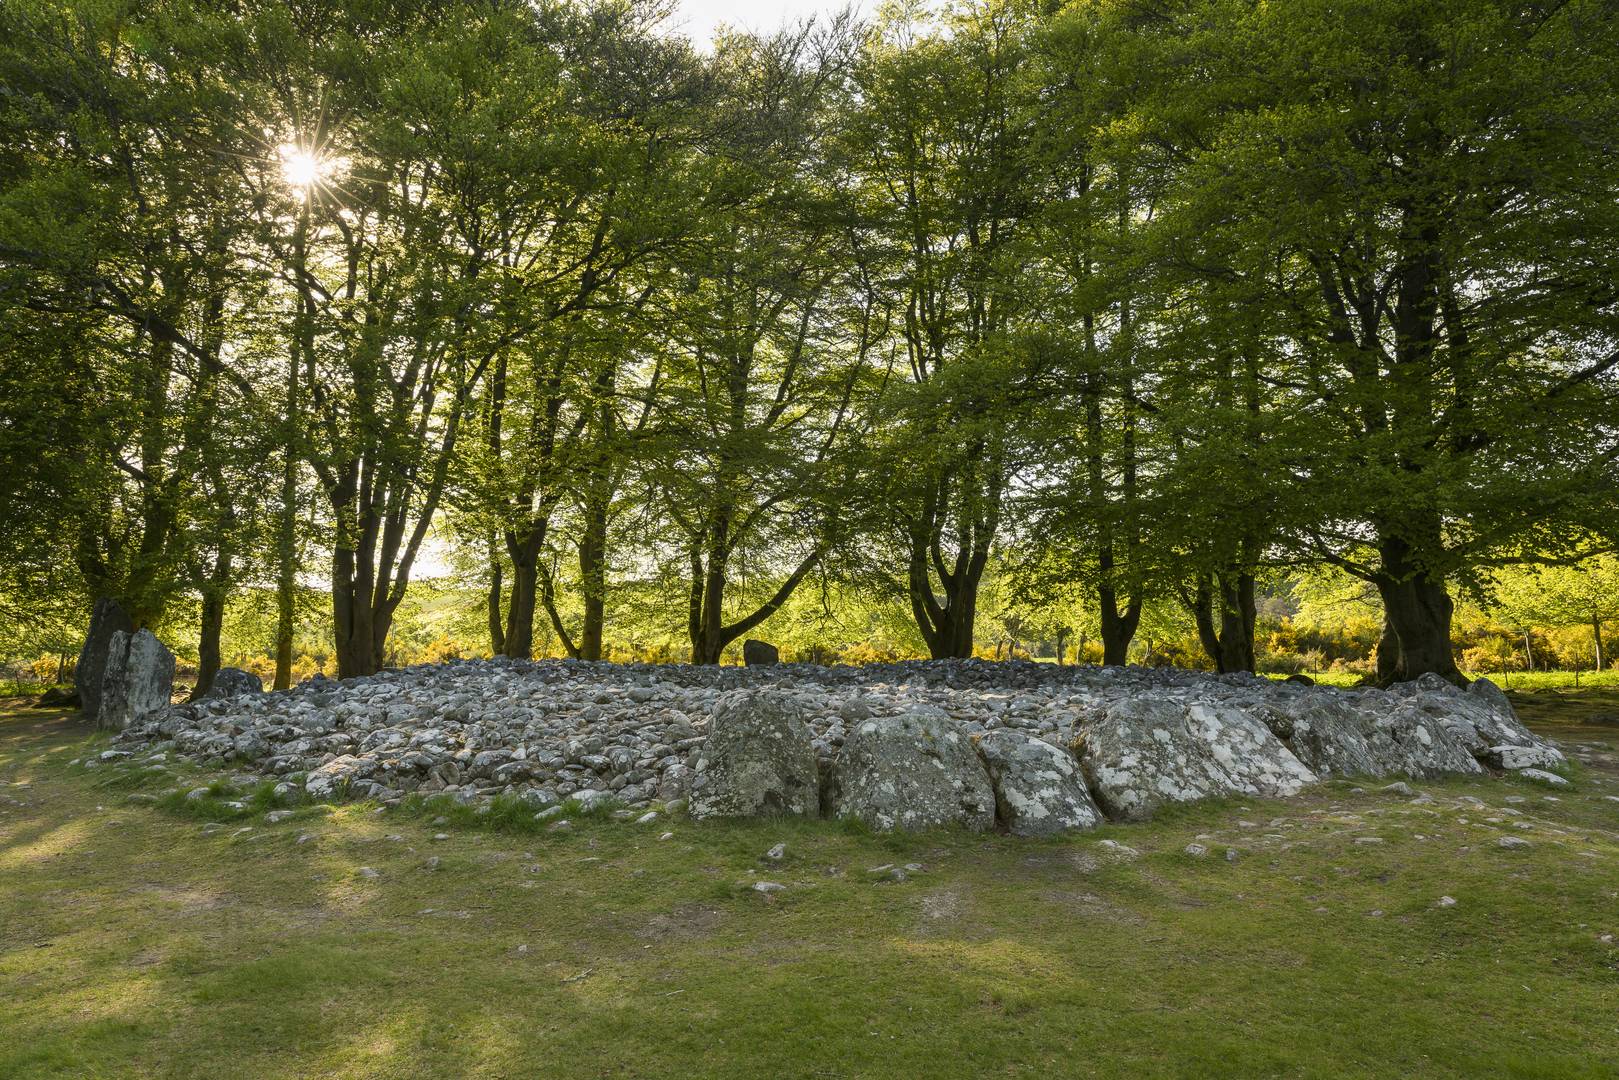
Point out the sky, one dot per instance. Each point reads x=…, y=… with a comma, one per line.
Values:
x=698, y=18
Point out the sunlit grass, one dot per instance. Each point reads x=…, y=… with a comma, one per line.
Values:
x=1553, y=680
x=138, y=940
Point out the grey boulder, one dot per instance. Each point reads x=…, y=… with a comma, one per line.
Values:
x=1525, y=757
x=234, y=682
x=337, y=775
x=1039, y=789
x=915, y=771
x=138, y=681
x=756, y=653
x=1368, y=734
x=1479, y=717
x=1146, y=752
x=758, y=758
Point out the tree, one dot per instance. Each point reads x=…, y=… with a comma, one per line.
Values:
x=120, y=246
x=1561, y=595
x=765, y=377
x=1416, y=194
x=941, y=139
x=602, y=192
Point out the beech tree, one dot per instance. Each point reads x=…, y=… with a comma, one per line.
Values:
x=764, y=386
x=942, y=138
x=1126, y=304
x=1417, y=191
x=119, y=244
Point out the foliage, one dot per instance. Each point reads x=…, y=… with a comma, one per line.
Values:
x=1208, y=332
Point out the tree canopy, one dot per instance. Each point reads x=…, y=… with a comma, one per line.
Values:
x=1129, y=306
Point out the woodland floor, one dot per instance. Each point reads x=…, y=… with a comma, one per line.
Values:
x=188, y=939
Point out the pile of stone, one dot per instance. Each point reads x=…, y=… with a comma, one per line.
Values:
x=1033, y=748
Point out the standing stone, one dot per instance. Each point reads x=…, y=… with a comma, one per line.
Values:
x=139, y=679
x=1039, y=789
x=757, y=653
x=758, y=758
x=234, y=682
x=916, y=771
x=106, y=619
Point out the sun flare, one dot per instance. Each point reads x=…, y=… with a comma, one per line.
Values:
x=302, y=169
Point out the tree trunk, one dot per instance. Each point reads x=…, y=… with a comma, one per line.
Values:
x=214, y=597
x=708, y=631
x=1062, y=642
x=1118, y=627
x=1226, y=634
x=947, y=626
x=286, y=580
x=707, y=639
x=548, y=600
x=351, y=618
x=1417, y=611
x=1596, y=639
x=497, y=630
x=525, y=550
x=593, y=577
x=1208, y=635
x=1237, y=622
x=521, y=605
x=1388, y=654
x=302, y=351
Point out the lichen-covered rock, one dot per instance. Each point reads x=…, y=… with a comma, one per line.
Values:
x=1544, y=777
x=232, y=682
x=758, y=758
x=337, y=775
x=1494, y=698
x=1503, y=728
x=1145, y=752
x=913, y=771
x=1525, y=757
x=1039, y=789
x=138, y=681
x=1480, y=717
x=1367, y=734
x=106, y=619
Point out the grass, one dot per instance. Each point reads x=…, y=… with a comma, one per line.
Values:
x=188, y=937
x=1517, y=681
x=1554, y=680
x=13, y=688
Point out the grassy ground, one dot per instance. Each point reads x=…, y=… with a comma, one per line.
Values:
x=1530, y=681
x=193, y=938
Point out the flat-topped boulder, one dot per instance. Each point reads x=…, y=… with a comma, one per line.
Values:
x=917, y=770
x=1146, y=752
